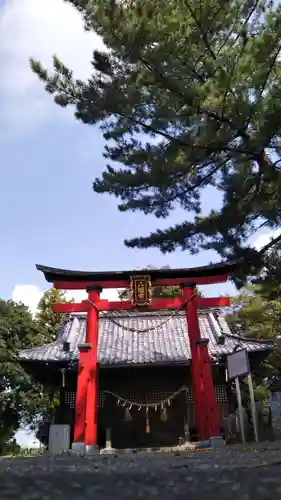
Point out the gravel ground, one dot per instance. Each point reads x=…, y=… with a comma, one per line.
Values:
x=230, y=475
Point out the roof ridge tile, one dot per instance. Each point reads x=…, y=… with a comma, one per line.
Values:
x=166, y=343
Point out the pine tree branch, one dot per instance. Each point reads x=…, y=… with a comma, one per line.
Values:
x=231, y=30
x=270, y=69
x=74, y=98
x=269, y=245
x=210, y=114
x=276, y=163
x=247, y=19
x=193, y=71
x=153, y=69
x=189, y=189
x=203, y=33
x=206, y=50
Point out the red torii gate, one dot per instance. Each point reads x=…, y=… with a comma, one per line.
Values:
x=86, y=408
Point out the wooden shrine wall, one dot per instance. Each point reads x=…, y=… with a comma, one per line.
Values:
x=144, y=385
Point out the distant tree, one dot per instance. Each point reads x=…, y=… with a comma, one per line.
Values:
x=188, y=97
x=256, y=316
x=48, y=322
x=18, y=393
x=22, y=399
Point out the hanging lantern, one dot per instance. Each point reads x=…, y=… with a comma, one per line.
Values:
x=147, y=424
x=164, y=416
x=128, y=416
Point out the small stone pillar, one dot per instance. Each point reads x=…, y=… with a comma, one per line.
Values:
x=108, y=438
x=108, y=450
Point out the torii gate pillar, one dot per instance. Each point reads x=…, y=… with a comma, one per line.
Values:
x=86, y=408
x=206, y=409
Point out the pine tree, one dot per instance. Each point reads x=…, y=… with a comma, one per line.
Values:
x=188, y=96
x=269, y=280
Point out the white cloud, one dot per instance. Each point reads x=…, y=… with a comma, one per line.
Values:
x=38, y=29
x=28, y=295
x=31, y=294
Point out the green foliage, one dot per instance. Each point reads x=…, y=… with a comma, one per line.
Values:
x=48, y=324
x=22, y=399
x=269, y=280
x=11, y=447
x=17, y=331
x=47, y=321
x=188, y=95
x=256, y=316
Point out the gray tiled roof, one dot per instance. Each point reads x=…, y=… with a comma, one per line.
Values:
x=165, y=342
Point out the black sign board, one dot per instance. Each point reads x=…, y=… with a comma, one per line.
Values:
x=141, y=290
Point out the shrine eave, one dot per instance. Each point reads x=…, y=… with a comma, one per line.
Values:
x=201, y=275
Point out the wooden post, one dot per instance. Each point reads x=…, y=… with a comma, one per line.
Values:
x=92, y=382
x=253, y=408
x=240, y=409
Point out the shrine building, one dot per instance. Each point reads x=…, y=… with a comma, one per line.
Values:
x=143, y=372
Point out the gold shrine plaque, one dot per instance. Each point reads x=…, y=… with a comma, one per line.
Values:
x=141, y=290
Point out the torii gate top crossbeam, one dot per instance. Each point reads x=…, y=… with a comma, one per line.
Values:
x=74, y=280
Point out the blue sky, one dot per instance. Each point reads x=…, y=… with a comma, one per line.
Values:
x=50, y=214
